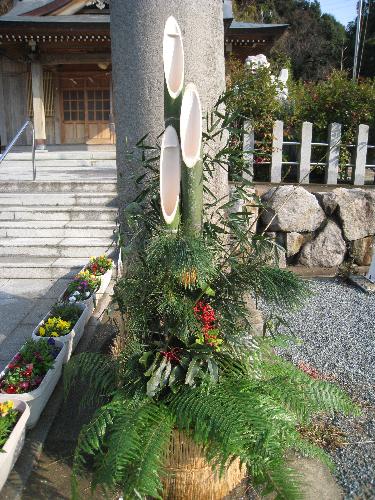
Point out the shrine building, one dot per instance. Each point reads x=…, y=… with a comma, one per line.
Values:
x=55, y=67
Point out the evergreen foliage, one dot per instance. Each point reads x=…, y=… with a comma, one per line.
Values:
x=185, y=364
x=253, y=413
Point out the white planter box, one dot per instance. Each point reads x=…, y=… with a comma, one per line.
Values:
x=71, y=340
x=105, y=280
x=38, y=398
x=89, y=304
x=14, y=443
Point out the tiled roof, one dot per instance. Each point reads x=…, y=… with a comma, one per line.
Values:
x=253, y=26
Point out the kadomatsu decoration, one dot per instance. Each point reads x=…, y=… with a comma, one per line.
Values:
x=189, y=368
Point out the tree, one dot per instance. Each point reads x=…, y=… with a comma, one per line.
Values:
x=314, y=41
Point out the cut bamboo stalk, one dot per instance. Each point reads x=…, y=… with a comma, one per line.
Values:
x=192, y=171
x=170, y=177
x=173, y=59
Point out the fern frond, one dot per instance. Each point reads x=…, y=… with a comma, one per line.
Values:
x=128, y=438
x=97, y=371
x=91, y=440
x=301, y=394
x=230, y=422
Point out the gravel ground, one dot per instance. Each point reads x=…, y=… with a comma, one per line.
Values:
x=337, y=331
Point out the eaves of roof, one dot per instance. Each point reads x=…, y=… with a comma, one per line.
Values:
x=55, y=20
x=236, y=25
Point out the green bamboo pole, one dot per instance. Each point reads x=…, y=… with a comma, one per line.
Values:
x=170, y=178
x=192, y=198
x=174, y=65
x=172, y=109
x=173, y=59
x=192, y=168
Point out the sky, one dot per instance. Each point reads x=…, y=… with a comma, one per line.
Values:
x=343, y=10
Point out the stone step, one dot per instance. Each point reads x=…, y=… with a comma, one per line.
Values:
x=59, y=174
x=56, y=224
x=67, y=175
x=55, y=247
x=72, y=213
x=19, y=266
x=62, y=155
x=53, y=232
x=58, y=199
x=42, y=163
x=104, y=185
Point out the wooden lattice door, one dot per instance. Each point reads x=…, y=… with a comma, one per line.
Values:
x=86, y=110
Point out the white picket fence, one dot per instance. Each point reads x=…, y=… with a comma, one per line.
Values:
x=305, y=146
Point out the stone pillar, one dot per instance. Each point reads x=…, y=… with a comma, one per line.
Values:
x=277, y=152
x=38, y=105
x=137, y=47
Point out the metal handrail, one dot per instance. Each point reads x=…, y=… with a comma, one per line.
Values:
x=15, y=139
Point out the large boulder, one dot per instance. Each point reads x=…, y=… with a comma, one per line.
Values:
x=327, y=201
x=362, y=250
x=293, y=242
x=326, y=250
x=291, y=209
x=354, y=207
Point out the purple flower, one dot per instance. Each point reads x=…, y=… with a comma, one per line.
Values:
x=51, y=341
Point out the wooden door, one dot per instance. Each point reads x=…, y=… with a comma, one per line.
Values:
x=73, y=116
x=86, y=109
x=98, y=116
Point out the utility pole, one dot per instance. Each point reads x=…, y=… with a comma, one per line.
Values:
x=357, y=38
x=342, y=54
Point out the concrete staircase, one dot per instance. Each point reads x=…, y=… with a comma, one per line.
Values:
x=49, y=228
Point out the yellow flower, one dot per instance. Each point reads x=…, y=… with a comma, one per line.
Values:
x=6, y=407
x=42, y=331
x=54, y=334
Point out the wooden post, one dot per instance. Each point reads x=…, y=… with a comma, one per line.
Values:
x=334, y=143
x=248, y=148
x=305, y=153
x=38, y=105
x=359, y=171
x=3, y=128
x=277, y=151
x=57, y=107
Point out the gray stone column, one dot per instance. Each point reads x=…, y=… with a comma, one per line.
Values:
x=137, y=46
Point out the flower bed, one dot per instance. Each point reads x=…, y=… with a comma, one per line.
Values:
x=66, y=322
x=13, y=419
x=82, y=288
x=32, y=374
x=8, y=419
x=102, y=267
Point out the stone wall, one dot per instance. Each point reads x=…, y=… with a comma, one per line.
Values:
x=321, y=229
